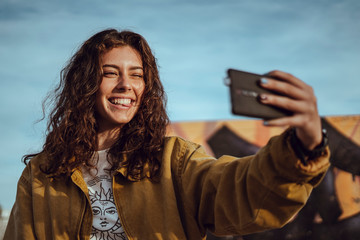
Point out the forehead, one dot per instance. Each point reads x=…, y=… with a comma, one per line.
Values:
x=122, y=55
x=103, y=203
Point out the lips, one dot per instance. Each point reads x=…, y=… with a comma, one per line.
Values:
x=104, y=223
x=120, y=101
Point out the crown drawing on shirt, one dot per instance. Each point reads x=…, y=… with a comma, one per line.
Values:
x=101, y=195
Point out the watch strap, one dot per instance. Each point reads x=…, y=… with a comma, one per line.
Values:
x=305, y=154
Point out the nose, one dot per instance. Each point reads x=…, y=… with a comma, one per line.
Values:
x=123, y=83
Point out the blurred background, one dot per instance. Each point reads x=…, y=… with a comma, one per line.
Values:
x=194, y=42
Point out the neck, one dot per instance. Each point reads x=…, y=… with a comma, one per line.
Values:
x=107, y=138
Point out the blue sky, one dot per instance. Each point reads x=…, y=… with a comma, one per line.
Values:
x=195, y=41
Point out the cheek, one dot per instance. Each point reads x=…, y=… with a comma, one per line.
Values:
x=106, y=86
x=103, y=91
x=140, y=88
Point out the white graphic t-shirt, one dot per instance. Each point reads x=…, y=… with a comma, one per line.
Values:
x=106, y=223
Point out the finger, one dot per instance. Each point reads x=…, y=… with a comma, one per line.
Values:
x=287, y=77
x=296, y=120
x=286, y=88
x=293, y=121
x=310, y=136
x=292, y=105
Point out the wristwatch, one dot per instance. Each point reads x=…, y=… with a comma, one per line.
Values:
x=305, y=154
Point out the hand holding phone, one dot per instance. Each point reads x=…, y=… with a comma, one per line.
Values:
x=245, y=91
x=283, y=100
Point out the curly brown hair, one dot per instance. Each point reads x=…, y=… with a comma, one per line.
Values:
x=72, y=128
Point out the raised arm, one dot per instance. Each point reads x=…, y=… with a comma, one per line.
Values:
x=298, y=98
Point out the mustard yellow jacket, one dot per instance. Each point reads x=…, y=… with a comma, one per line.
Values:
x=196, y=192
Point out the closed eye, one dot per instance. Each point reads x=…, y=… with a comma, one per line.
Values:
x=137, y=75
x=110, y=74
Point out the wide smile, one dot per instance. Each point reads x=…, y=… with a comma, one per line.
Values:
x=126, y=102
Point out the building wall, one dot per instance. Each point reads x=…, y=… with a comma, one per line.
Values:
x=340, y=189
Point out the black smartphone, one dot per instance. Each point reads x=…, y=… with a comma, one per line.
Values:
x=244, y=93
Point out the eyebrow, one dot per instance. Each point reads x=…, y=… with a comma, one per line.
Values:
x=115, y=66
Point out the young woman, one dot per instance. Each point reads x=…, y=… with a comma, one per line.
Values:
x=107, y=171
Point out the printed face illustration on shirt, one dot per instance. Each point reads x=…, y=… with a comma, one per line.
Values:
x=106, y=222
x=106, y=215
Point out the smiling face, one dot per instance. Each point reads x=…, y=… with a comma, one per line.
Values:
x=120, y=92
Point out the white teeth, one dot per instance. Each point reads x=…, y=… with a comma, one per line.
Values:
x=119, y=101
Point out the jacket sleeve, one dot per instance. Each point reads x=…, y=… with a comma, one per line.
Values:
x=231, y=196
x=20, y=224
